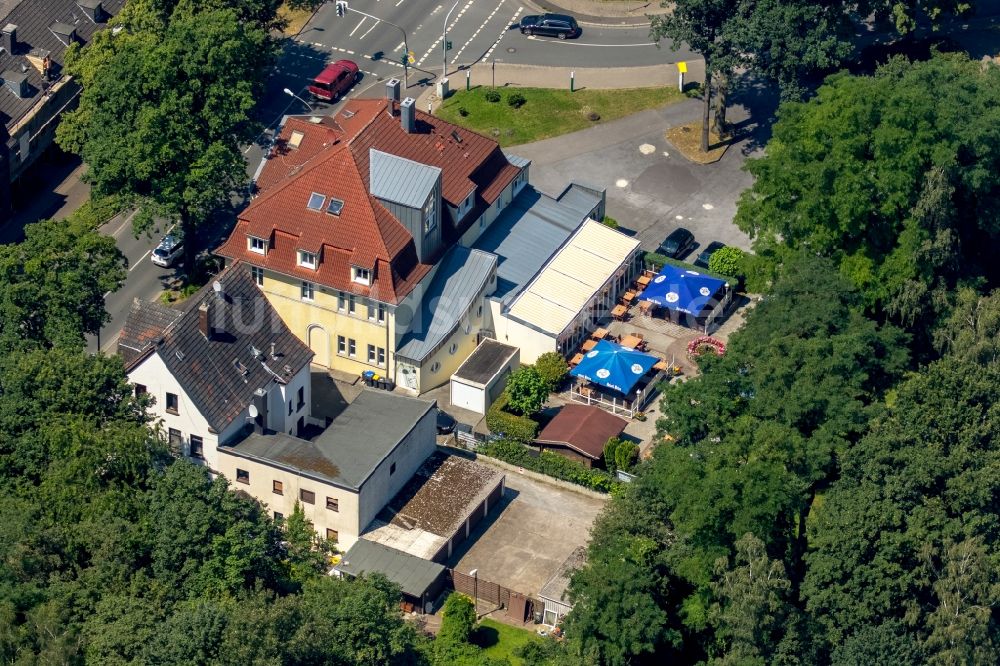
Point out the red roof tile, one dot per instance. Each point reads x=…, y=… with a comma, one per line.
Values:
x=285, y=160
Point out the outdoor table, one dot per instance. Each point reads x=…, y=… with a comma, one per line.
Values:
x=643, y=281
x=647, y=307
x=576, y=359
x=660, y=365
x=589, y=344
x=629, y=295
x=618, y=312
x=599, y=334
x=631, y=341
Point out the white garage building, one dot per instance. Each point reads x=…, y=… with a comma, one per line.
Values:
x=483, y=376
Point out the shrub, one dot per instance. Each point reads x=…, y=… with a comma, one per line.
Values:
x=553, y=369
x=511, y=426
x=516, y=100
x=458, y=618
x=727, y=261
x=609, y=221
x=462, y=111
x=527, y=390
x=758, y=273
x=492, y=96
x=656, y=261
x=620, y=454
x=551, y=464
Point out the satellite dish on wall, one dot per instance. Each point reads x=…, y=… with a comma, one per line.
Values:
x=252, y=410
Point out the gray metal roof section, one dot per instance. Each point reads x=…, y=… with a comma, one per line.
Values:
x=517, y=160
x=489, y=358
x=525, y=236
x=400, y=180
x=460, y=277
x=413, y=574
x=581, y=198
x=347, y=452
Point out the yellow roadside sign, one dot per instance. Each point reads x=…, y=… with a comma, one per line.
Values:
x=682, y=67
x=411, y=58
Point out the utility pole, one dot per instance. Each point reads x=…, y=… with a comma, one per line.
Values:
x=343, y=8
x=444, y=42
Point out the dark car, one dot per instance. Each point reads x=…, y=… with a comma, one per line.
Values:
x=550, y=25
x=707, y=253
x=445, y=423
x=677, y=244
x=335, y=80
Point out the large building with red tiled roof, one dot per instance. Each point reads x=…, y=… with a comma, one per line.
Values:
x=360, y=233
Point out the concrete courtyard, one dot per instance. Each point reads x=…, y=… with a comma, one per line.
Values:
x=537, y=527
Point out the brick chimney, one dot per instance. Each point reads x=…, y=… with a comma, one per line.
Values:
x=205, y=320
x=10, y=38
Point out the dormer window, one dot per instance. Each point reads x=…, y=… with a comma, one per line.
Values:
x=307, y=259
x=295, y=139
x=361, y=275
x=258, y=245
x=316, y=201
x=429, y=221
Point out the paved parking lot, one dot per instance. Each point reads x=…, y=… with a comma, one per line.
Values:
x=537, y=528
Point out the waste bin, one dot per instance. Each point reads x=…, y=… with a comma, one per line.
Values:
x=368, y=377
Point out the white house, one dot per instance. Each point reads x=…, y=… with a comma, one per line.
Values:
x=218, y=368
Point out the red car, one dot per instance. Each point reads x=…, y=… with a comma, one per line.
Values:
x=335, y=80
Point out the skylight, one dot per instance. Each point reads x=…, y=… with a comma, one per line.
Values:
x=316, y=201
x=335, y=206
x=295, y=139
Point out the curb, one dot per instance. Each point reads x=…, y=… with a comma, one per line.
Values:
x=586, y=19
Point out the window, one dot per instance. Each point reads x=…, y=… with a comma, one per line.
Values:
x=381, y=313
x=289, y=407
x=197, y=447
x=498, y=202
x=307, y=496
x=258, y=245
x=351, y=347
x=140, y=389
x=277, y=487
x=295, y=139
x=341, y=344
x=172, y=403
x=361, y=275
x=308, y=291
x=301, y=395
x=371, y=354
x=307, y=259
x=316, y=201
x=279, y=517
x=429, y=221
x=242, y=476
x=335, y=206
x=333, y=504
x=453, y=348
x=392, y=469
x=331, y=535
x=372, y=310
x=351, y=303
x=341, y=301
x=174, y=440
x=435, y=366
x=479, y=312
x=258, y=275
x=381, y=356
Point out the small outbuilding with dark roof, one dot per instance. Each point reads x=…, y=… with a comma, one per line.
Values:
x=580, y=432
x=482, y=377
x=420, y=581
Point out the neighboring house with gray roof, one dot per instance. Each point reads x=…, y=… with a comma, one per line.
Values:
x=222, y=366
x=32, y=99
x=348, y=473
x=420, y=581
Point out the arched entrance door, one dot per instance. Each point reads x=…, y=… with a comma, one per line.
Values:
x=319, y=343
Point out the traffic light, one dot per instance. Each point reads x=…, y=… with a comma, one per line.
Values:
x=447, y=45
x=341, y=7
x=405, y=59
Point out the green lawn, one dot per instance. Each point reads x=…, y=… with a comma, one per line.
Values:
x=500, y=640
x=546, y=112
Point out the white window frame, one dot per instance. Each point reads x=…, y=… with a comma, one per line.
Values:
x=352, y=303
x=361, y=275
x=308, y=259
x=342, y=301
x=257, y=275
x=381, y=314
x=352, y=347
x=430, y=222
x=308, y=291
x=341, y=345
x=253, y=241
x=380, y=360
x=371, y=354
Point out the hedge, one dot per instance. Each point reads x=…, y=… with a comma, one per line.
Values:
x=512, y=426
x=551, y=464
x=657, y=261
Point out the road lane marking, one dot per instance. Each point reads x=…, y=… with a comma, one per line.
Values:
x=476, y=33
x=437, y=42
x=128, y=218
x=503, y=33
x=360, y=23
x=369, y=30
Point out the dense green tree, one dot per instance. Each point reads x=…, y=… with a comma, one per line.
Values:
x=164, y=110
x=308, y=553
x=726, y=261
x=458, y=620
x=893, y=176
x=52, y=285
x=553, y=369
x=527, y=390
x=888, y=644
